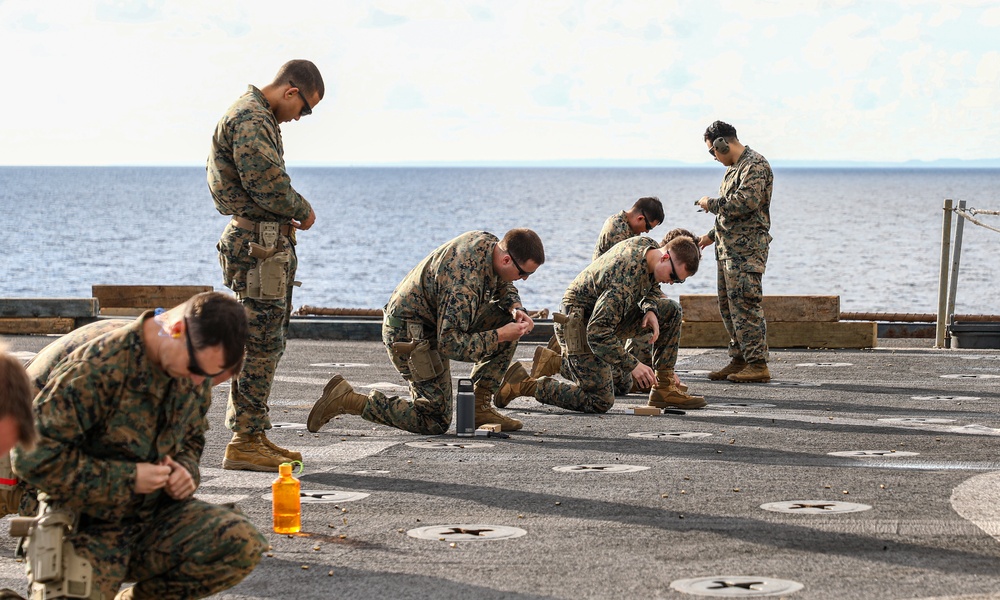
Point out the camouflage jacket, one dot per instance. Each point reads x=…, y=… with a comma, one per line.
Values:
x=41, y=365
x=448, y=290
x=743, y=213
x=103, y=409
x=608, y=289
x=615, y=230
x=246, y=165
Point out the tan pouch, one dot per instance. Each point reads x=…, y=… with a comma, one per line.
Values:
x=575, y=333
x=424, y=362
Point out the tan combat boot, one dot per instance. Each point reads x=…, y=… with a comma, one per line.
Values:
x=291, y=454
x=752, y=373
x=553, y=345
x=665, y=394
x=251, y=452
x=641, y=389
x=515, y=382
x=545, y=363
x=735, y=366
x=485, y=413
x=338, y=398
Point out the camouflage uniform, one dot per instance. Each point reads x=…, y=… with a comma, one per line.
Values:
x=454, y=299
x=103, y=409
x=612, y=296
x=741, y=238
x=247, y=178
x=616, y=229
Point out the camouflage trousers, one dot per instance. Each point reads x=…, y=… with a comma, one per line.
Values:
x=596, y=382
x=429, y=412
x=740, y=295
x=187, y=549
x=247, y=410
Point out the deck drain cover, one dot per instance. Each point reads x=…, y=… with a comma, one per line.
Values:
x=463, y=533
x=794, y=383
x=739, y=405
x=691, y=372
x=956, y=398
x=814, y=507
x=918, y=420
x=970, y=376
x=824, y=364
x=456, y=445
x=288, y=425
x=675, y=435
x=736, y=586
x=876, y=453
x=339, y=365
x=599, y=468
x=325, y=496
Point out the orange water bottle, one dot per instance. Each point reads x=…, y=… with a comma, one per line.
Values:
x=285, y=505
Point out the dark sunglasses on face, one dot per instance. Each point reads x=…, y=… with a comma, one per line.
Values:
x=520, y=272
x=673, y=271
x=306, y=109
x=649, y=222
x=193, y=367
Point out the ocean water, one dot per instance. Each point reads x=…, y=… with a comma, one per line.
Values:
x=871, y=236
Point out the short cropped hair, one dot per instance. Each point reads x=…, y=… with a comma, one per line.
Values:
x=676, y=233
x=16, y=394
x=650, y=207
x=720, y=129
x=524, y=245
x=215, y=318
x=683, y=250
x=305, y=75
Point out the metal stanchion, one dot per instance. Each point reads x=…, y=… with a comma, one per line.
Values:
x=942, y=316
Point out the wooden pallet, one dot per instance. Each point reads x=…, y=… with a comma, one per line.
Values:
x=133, y=300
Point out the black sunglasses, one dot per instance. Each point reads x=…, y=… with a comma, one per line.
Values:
x=306, y=110
x=521, y=272
x=673, y=271
x=649, y=222
x=193, y=367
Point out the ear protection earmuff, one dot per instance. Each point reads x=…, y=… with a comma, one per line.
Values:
x=721, y=145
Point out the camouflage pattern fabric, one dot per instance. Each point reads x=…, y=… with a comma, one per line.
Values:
x=615, y=230
x=247, y=178
x=457, y=301
x=614, y=293
x=742, y=239
x=104, y=408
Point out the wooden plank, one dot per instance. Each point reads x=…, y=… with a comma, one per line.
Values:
x=705, y=307
x=145, y=296
x=843, y=334
x=122, y=312
x=48, y=307
x=29, y=325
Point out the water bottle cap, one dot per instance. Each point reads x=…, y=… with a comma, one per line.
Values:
x=286, y=468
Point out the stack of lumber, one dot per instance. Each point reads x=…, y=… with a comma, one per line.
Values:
x=133, y=300
x=792, y=322
x=23, y=316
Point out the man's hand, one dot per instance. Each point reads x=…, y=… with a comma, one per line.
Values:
x=704, y=241
x=150, y=477
x=651, y=322
x=514, y=331
x=521, y=316
x=644, y=376
x=703, y=203
x=303, y=225
x=180, y=484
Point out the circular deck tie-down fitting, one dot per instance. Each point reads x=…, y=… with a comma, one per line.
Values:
x=448, y=445
x=325, y=496
x=814, y=507
x=669, y=435
x=736, y=586
x=599, y=468
x=466, y=533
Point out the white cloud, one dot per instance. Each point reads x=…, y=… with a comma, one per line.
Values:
x=990, y=17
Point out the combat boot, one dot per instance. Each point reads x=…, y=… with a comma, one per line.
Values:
x=553, y=345
x=642, y=389
x=545, y=363
x=338, y=398
x=485, y=413
x=665, y=394
x=291, y=454
x=735, y=366
x=10, y=500
x=756, y=372
x=515, y=382
x=251, y=452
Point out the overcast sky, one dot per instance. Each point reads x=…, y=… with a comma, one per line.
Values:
x=143, y=82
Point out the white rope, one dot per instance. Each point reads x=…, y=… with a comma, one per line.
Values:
x=968, y=216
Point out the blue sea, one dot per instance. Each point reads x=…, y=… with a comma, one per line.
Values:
x=871, y=236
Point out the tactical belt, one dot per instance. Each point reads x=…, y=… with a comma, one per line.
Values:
x=392, y=321
x=249, y=225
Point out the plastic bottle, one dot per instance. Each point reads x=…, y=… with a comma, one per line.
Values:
x=285, y=504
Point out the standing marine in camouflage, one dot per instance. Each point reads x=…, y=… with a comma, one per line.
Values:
x=457, y=304
x=741, y=236
x=247, y=177
x=607, y=303
x=121, y=429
